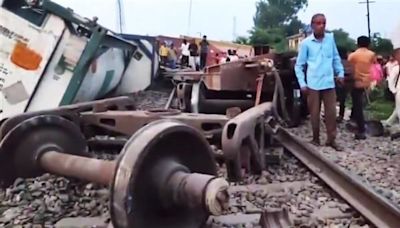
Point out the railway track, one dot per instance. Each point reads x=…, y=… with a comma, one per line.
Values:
x=306, y=196
x=380, y=211
x=376, y=160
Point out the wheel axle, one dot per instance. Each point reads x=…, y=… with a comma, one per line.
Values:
x=165, y=175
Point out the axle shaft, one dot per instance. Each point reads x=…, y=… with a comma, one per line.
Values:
x=88, y=169
x=189, y=189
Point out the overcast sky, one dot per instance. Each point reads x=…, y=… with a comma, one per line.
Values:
x=222, y=19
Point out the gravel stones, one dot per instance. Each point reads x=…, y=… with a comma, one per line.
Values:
x=46, y=199
x=375, y=160
x=150, y=99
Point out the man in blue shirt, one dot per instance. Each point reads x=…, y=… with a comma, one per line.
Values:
x=319, y=52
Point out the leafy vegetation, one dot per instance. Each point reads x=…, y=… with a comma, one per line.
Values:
x=275, y=20
x=381, y=45
x=379, y=107
x=343, y=40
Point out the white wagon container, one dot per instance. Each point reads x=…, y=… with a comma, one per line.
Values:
x=50, y=56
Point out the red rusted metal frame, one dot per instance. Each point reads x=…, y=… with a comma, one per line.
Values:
x=238, y=75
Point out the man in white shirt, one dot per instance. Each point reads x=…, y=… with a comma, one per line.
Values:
x=389, y=66
x=394, y=86
x=184, y=53
x=234, y=56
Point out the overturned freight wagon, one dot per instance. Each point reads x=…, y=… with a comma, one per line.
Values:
x=50, y=57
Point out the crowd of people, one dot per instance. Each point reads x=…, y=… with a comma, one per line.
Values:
x=193, y=55
x=321, y=71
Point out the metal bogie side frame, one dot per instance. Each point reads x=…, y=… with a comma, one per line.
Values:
x=128, y=122
x=71, y=112
x=243, y=141
x=117, y=117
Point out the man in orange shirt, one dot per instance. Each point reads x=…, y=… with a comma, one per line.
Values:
x=362, y=60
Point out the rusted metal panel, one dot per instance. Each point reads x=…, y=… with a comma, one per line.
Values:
x=232, y=84
x=238, y=75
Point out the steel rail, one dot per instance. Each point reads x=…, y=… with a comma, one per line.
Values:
x=377, y=209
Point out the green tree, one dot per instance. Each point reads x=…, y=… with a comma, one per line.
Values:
x=276, y=13
x=274, y=37
x=293, y=26
x=343, y=40
x=274, y=21
x=268, y=36
x=381, y=45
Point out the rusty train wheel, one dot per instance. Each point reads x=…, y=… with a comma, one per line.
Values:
x=135, y=201
x=23, y=145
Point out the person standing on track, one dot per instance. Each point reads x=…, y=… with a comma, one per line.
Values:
x=321, y=55
x=394, y=86
x=185, y=54
x=203, y=52
x=343, y=90
x=362, y=60
x=392, y=63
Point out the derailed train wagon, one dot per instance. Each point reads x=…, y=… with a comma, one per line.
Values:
x=50, y=57
x=243, y=84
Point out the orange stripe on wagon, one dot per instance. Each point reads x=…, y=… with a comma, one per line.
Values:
x=25, y=57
